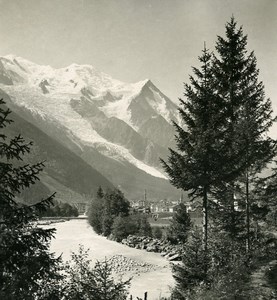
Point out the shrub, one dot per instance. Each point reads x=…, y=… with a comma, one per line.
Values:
x=122, y=227
x=130, y=225
x=84, y=282
x=157, y=232
x=143, y=225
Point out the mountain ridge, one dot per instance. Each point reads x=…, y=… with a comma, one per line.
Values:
x=63, y=168
x=89, y=111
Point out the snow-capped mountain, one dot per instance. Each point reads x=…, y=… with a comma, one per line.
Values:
x=128, y=123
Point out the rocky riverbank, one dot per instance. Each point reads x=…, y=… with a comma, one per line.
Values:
x=165, y=248
x=50, y=221
x=122, y=265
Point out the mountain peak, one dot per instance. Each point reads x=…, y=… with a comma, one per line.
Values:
x=145, y=82
x=81, y=66
x=113, y=97
x=81, y=105
x=10, y=56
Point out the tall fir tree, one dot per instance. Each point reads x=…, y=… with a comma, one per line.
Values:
x=197, y=165
x=248, y=116
x=26, y=266
x=96, y=210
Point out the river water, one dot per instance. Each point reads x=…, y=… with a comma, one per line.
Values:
x=156, y=282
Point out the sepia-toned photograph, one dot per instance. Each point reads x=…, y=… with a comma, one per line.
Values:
x=138, y=149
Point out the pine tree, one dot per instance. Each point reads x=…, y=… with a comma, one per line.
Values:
x=118, y=204
x=197, y=165
x=248, y=115
x=180, y=225
x=96, y=211
x=193, y=270
x=220, y=154
x=26, y=266
x=100, y=193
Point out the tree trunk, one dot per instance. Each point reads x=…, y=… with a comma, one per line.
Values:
x=205, y=220
x=247, y=210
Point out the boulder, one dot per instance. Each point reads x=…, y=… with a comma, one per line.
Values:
x=175, y=257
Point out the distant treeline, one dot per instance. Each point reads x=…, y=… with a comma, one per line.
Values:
x=60, y=209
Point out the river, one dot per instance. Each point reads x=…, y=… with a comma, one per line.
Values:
x=156, y=281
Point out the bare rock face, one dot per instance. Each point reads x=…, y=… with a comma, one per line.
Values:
x=43, y=85
x=4, y=76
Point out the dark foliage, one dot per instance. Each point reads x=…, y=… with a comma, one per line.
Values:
x=180, y=225
x=222, y=147
x=26, y=265
x=104, y=209
x=198, y=165
x=122, y=227
x=249, y=117
x=134, y=224
x=85, y=282
x=157, y=232
x=95, y=211
x=60, y=210
x=221, y=273
x=193, y=269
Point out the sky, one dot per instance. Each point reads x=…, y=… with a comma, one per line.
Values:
x=132, y=40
